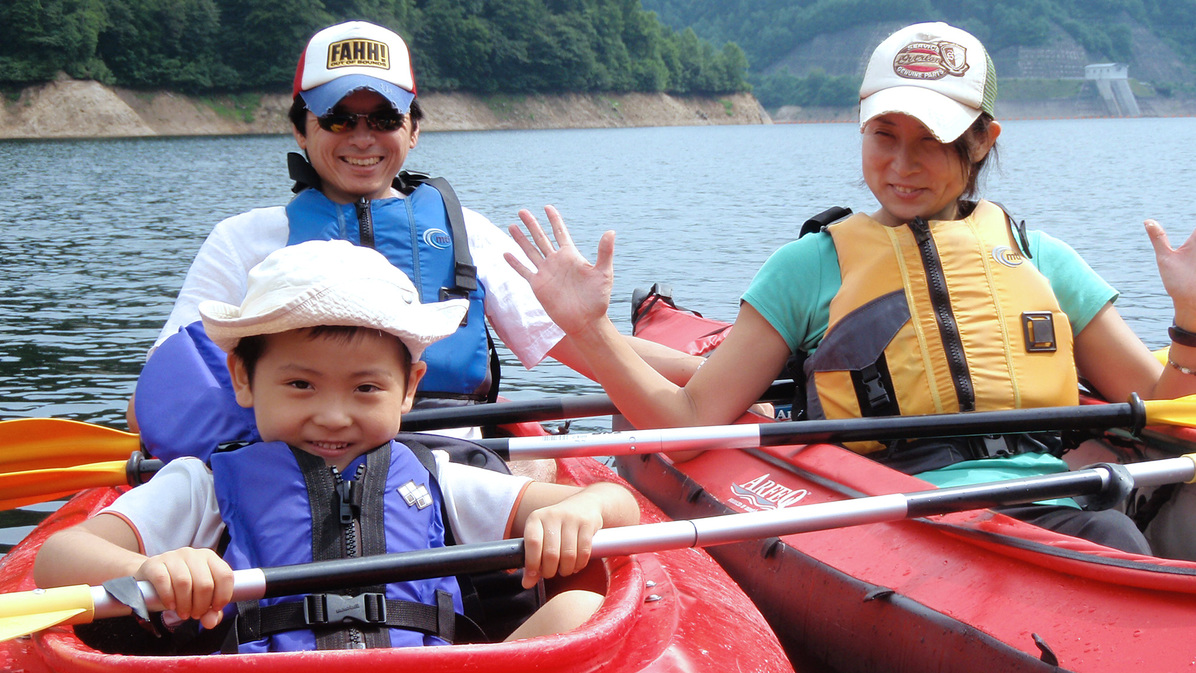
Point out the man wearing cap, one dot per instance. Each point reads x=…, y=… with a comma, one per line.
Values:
x=356, y=117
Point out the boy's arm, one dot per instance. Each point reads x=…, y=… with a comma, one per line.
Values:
x=194, y=583
x=90, y=553
x=559, y=522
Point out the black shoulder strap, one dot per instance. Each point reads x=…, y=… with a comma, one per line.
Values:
x=796, y=363
x=823, y=220
x=461, y=451
x=302, y=172
x=1018, y=229
x=466, y=274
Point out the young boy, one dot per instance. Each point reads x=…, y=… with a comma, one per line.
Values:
x=325, y=348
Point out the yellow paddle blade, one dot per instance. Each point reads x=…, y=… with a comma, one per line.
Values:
x=15, y=627
x=1162, y=354
x=37, y=443
x=27, y=612
x=29, y=486
x=1180, y=411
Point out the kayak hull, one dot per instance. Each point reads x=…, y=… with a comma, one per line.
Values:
x=669, y=611
x=973, y=591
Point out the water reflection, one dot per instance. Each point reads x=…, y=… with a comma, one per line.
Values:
x=99, y=234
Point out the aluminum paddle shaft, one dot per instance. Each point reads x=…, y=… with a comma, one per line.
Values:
x=706, y=438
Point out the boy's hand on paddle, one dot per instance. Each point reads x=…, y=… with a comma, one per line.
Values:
x=194, y=583
x=574, y=292
x=558, y=539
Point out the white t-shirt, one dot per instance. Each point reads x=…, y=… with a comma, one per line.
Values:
x=239, y=243
x=178, y=507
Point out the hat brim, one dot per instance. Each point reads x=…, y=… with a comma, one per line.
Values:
x=944, y=116
x=417, y=325
x=321, y=99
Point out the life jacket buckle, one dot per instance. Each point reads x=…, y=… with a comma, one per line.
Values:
x=874, y=388
x=1039, y=330
x=369, y=608
x=995, y=446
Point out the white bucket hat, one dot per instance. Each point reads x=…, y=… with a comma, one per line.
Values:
x=936, y=73
x=331, y=283
x=354, y=55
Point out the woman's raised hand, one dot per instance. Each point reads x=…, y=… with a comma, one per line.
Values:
x=574, y=292
x=1177, y=268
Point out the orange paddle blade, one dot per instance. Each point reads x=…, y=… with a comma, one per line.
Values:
x=40, y=443
x=29, y=486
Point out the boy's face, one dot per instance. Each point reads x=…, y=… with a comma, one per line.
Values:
x=332, y=396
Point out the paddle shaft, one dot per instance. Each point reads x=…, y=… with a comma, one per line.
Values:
x=882, y=428
x=547, y=409
x=329, y=575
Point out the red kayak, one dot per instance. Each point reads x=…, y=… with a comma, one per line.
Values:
x=668, y=611
x=974, y=591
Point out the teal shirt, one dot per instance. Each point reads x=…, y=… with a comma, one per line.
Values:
x=793, y=292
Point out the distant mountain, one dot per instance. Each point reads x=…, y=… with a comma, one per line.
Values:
x=813, y=52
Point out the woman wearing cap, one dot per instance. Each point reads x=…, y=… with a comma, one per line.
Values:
x=935, y=303
x=356, y=117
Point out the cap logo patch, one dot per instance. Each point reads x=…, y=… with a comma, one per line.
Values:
x=931, y=60
x=358, y=52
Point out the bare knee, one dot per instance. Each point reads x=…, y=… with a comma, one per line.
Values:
x=563, y=612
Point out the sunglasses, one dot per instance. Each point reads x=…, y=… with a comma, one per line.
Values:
x=383, y=121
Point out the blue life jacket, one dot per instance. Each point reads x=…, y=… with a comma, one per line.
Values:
x=284, y=506
x=416, y=235
x=184, y=399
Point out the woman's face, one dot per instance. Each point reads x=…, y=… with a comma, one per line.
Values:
x=910, y=172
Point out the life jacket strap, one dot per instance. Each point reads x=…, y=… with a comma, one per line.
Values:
x=922, y=455
x=323, y=611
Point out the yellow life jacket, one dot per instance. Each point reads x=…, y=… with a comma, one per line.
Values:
x=939, y=317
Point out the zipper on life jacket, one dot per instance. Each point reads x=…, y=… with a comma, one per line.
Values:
x=365, y=222
x=416, y=276
x=940, y=300
x=349, y=508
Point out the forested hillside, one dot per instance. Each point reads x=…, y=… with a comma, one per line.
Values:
x=198, y=46
x=1127, y=31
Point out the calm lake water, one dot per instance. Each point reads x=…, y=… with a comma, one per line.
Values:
x=97, y=235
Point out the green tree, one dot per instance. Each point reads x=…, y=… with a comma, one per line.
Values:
x=165, y=43
x=42, y=37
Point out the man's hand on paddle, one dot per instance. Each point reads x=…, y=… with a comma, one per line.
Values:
x=574, y=292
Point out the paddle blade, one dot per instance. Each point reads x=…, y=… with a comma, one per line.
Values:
x=38, y=443
x=29, y=486
x=1181, y=411
x=27, y=612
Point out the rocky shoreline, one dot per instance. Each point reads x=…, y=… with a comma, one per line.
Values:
x=68, y=108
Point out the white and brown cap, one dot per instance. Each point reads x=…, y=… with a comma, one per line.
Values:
x=938, y=74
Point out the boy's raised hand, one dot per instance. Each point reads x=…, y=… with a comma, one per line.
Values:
x=194, y=583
